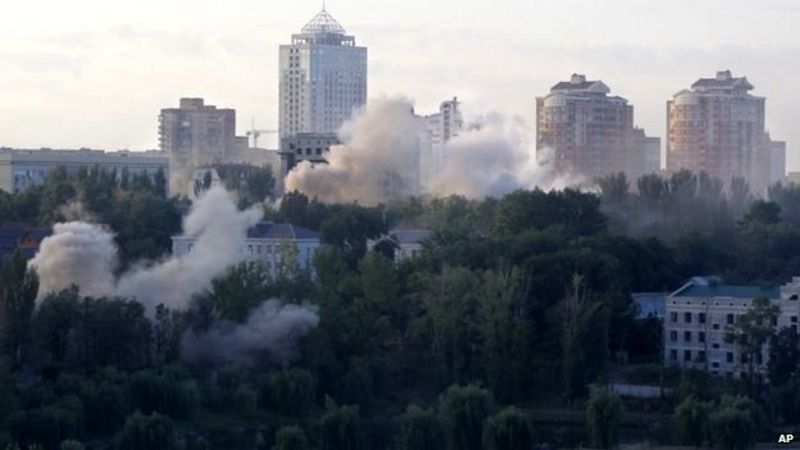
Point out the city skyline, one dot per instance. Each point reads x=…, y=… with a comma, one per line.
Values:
x=95, y=75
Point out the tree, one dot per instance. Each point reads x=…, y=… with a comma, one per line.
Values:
x=290, y=438
x=463, y=409
x=153, y=432
x=784, y=356
x=508, y=430
x=604, y=413
x=340, y=428
x=614, y=187
x=751, y=332
x=691, y=421
x=420, y=429
x=289, y=391
x=734, y=423
x=577, y=313
x=71, y=445
x=18, y=289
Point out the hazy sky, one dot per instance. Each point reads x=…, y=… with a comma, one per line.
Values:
x=92, y=73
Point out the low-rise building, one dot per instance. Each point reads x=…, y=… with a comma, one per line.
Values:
x=22, y=238
x=21, y=169
x=279, y=246
x=700, y=314
x=404, y=244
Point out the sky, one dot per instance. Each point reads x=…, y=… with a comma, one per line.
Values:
x=95, y=73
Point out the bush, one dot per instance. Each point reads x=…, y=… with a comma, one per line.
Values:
x=153, y=432
x=420, y=430
x=463, y=411
x=289, y=391
x=341, y=429
x=604, y=417
x=508, y=430
x=290, y=438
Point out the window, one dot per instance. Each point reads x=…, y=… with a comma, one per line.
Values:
x=701, y=318
x=729, y=357
x=687, y=355
x=794, y=319
x=673, y=336
x=687, y=317
x=729, y=319
x=715, y=326
x=701, y=356
x=715, y=365
x=687, y=336
x=759, y=358
x=673, y=317
x=259, y=249
x=701, y=336
x=715, y=346
x=673, y=355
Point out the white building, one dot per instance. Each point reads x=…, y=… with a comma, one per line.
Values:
x=323, y=78
x=279, y=246
x=405, y=243
x=21, y=169
x=700, y=313
x=435, y=130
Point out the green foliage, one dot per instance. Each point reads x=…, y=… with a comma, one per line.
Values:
x=153, y=432
x=752, y=331
x=290, y=438
x=155, y=393
x=784, y=356
x=71, y=445
x=289, y=391
x=420, y=429
x=510, y=429
x=463, y=409
x=604, y=418
x=691, y=420
x=340, y=429
x=18, y=289
x=735, y=422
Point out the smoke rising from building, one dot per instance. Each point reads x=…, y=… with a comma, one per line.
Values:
x=271, y=333
x=84, y=255
x=379, y=160
x=374, y=164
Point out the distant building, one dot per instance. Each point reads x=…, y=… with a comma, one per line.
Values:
x=278, y=246
x=718, y=127
x=405, y=244
x=644, y=156
x=193, y=135
x=770, y=165
x=22, y=238
x=323, y=78
x=21, y=169
x=700, y=313
x=583, y=130
x=311, y=147
x=435, y=130
x=649, y=305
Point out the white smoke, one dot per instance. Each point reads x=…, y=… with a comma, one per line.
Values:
x=79, y=254
x=380, y=156
x=84, y=255
x=376, y=163
x=270, y=334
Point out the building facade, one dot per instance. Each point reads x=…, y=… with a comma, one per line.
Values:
x=582, y=130
x=718, y=127
x=21, y=169
x=644, y=157
x=700, y=313
x=193, y=135
x=280, y=247
x=434, y=131
x=323, y=78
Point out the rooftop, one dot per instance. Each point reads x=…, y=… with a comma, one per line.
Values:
x=728, y=290
x=409, y=236
x=579, y=83
x=723, y=80
x=270, y=230
x=323, y=23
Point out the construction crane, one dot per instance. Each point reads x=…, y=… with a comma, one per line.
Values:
x=256, y=133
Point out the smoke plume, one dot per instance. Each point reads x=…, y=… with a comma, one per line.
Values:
x=84, y=255
x=270, y=334
x=380, y=156
x=377, y=161
x=77, y=253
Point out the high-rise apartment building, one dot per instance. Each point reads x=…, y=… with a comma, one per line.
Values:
x=193, y=135
x=644, y=157
x=435, y=130
x=583, y=130
x=718, y=127
x=323, y=78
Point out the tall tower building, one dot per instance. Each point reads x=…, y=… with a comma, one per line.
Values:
x=584, y=131
x=323, y=78
x=435, y=131
x=717, y=126
x=193, y=135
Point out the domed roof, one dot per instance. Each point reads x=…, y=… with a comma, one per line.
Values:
x=323, y=22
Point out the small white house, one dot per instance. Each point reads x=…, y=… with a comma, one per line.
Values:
x=277, y=245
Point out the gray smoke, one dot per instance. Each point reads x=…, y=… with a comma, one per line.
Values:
x=77, y=253
x=379, y=160
x=270, y=334
x=494, y=157
x=84, y=255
